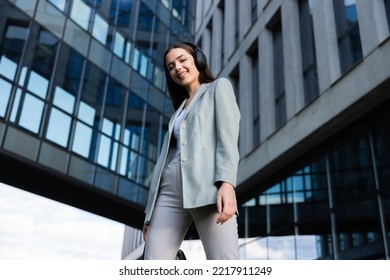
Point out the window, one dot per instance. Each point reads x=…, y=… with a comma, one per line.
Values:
x=255, y=95
x=100, y=29
x=145, y=19
x=348, y=37
x=309, y=62
x=5, y=89
x=254, y=10
x=119, y=44
x=237, y=22
x=7, y=67
x=124, y=14
x=81, y=13
x=31, y=113
x=88, y=115
x=132, y=137
x=58, y=129
x=387, y=7
x=279, y=86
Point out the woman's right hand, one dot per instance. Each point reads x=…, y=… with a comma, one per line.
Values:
x=145, y=231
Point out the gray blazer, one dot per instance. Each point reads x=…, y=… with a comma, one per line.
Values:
x=209, y=146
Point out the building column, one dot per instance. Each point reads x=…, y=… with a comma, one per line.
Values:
x=293, y=76
x=372, y=24
x=245, y=90
x=228, y=43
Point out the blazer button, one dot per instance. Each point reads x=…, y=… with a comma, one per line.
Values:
x=183, y=159
x=184, y=143
x=183, y=126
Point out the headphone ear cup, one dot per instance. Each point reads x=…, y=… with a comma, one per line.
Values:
x=200, y=60
x=199, y=57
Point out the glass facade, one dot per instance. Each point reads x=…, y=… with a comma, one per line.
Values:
x=82, y=88
x=348, y=36
x=334, y=204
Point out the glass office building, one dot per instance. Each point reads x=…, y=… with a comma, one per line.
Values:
x=83, y=104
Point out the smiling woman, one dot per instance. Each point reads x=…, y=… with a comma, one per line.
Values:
x=33, y=227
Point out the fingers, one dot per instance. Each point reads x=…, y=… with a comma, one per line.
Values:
x=227, y=212
x=145, y=232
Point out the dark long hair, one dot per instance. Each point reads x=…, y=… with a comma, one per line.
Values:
x=176, y=92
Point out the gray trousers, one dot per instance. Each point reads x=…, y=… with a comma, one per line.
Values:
x=170, y=222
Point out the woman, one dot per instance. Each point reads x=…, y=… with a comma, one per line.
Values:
x=195, y=176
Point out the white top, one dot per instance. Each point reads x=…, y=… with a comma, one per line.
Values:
x=176, y=129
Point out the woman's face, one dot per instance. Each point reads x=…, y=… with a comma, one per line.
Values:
x=182, y=68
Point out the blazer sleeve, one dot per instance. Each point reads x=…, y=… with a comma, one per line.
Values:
x=227, y=121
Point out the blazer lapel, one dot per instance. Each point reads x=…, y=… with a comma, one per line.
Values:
x=196, y=98
x=174, y=116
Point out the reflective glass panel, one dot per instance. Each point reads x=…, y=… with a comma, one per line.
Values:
x=59, y=127
x=68, y=74
x=31, y=114
x=311, y=189
x=358, y=226
x=136, y=57
x=92, y=93
x=351, y=168
x=81, y=13
x=104, y=150
x=108, y=127
x=82, y=139
x=15, y=30
x=306, y=247
x=387, y=8
x=144, y=66
x=124, y=15
x=38, y=84
x=347, y=25
x=158, y=77
x=5, y=93
x=309, y=62
x=7, y=67
x=119, y=44
x=15, y=105
x=145, y=18
x=281, y=248
x=254, y=249
x=45, y=53
x=86, y=113
x=128, y=52
x=100, y=29
x=128, y=163
x=381, y=133
x=64, y=100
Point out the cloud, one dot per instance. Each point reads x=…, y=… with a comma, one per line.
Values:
x=33, y=227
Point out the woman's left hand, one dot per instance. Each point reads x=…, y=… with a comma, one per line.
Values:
x=226, y=202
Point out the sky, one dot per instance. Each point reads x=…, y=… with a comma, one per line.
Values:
x=35, y=228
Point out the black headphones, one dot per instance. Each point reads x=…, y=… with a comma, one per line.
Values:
x=199, y=57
